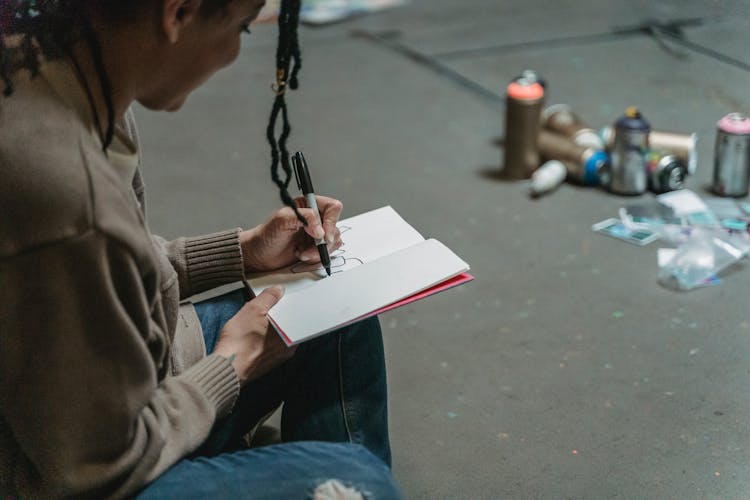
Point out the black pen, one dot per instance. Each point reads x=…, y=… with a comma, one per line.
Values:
x=302, y=173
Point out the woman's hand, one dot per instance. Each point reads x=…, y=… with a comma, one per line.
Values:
x=282, y=239
x=246, y=339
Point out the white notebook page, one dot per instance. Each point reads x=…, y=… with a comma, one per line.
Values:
x=341, y=299
x=366, y=237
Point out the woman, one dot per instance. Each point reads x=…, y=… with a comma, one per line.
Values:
x=110, y=385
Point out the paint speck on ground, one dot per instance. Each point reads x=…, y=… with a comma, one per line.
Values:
x=607, y=366
x=443, y=365
x=451, y=414
x=718, y=413
x=393, y=323
x=669, y=393
x=575, y=452
x=608, y=404
x=693, y=352
x=677, y=321
x=562, y=365
x=693, y=325
x=503, y=435
x=618, y=314
x=717, y=473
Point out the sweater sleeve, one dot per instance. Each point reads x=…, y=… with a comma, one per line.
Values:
x=205, y=262
x=81, y=371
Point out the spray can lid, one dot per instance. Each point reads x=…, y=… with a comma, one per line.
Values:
x=633, y=119
x=525, y=91
x=531, y=76
x=735, y=123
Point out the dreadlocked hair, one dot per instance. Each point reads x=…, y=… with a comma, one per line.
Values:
x=287, y=52
x=51, y=28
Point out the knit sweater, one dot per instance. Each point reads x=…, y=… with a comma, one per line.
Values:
x=104, y=383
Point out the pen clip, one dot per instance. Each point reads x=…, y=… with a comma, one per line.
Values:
x=296, y=166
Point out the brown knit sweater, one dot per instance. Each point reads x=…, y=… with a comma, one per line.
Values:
x=103, y=380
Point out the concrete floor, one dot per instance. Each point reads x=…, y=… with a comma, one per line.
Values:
x=564, y=370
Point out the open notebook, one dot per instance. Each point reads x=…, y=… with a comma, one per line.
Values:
x=384, y=263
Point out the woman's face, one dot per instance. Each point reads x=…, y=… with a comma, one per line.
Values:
x=203, y=46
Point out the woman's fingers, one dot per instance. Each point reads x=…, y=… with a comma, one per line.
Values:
x=329, y=213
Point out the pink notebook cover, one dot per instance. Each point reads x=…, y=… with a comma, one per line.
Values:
x=440, y=287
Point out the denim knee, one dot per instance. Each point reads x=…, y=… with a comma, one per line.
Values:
x=374, y=484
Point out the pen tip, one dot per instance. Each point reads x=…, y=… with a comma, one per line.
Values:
x=328, y=271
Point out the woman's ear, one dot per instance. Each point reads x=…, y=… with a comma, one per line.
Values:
x=176, y=15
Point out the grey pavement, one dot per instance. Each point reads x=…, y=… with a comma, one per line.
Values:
x=564, y=370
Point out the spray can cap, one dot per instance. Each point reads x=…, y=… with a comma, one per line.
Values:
x=735, y=123
x=525, y=90
x=632, y=112
x=633, y=120
x=531, y=76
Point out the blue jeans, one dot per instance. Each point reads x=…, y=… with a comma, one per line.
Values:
x=333, y=422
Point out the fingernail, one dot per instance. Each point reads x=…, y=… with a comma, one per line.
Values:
x=304, y=258
x=329, y=239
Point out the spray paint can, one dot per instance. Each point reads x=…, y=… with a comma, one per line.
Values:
x=666, y=172
x=547, y=177
x=684, y=146
x=523, y=108
x=732, y=156
x=627, y=174
x=584, y=164
x=561, y=119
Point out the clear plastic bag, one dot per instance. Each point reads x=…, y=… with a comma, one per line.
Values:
x=701, y=257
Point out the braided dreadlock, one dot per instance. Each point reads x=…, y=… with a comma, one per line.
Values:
x=288, y=51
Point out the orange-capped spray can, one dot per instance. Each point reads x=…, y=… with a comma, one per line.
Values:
x=523, y=111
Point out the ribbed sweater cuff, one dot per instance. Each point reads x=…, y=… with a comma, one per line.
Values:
x=215, y=376
x=213, y=260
